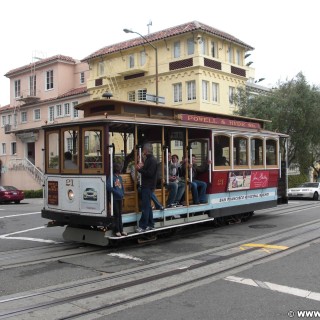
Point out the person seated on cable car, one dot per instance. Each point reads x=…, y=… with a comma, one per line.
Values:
x=175, y=185
x=198, y=187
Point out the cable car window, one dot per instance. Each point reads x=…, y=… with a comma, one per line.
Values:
x=240, y=151
x=93, y=150
x=256, y=152
x=221, y=150
x=53, y=148
x=271, y=152
x=70, y=149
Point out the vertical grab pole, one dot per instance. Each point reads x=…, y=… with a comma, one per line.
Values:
x=167, y=165
x=187, y=172
x=210, y=165
x=190, y=162
x=136, y=195
x=111, y=177
x=140, y=160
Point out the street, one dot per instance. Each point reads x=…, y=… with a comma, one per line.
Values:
x=265, y=268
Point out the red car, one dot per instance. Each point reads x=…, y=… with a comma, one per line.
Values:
x=11, y=194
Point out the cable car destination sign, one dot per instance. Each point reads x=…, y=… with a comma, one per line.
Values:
x=219, y=121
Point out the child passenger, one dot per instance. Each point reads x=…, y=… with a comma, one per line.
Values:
x=116, y=188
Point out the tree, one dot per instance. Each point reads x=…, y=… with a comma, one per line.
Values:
x=294, y=109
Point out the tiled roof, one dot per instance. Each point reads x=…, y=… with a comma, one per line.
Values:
x=167, y=33
x=40, y=63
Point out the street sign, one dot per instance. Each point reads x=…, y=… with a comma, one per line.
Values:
x=152, y=98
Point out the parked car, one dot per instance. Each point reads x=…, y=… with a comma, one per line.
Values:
x=11, y=194
x=306, y=190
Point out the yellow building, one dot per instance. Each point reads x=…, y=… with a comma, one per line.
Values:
x=196, y=67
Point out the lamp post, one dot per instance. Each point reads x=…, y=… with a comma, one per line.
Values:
x=156, y=54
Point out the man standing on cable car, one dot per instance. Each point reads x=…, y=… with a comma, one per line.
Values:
x=148, y=171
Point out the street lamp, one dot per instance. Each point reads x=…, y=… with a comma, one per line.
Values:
x=156, y=53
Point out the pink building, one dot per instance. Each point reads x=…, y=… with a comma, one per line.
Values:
x=42, y=92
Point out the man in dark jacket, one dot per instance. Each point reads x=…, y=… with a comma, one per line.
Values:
x=148, y=171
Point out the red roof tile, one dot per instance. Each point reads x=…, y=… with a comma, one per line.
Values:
x=40, y=63
x=166, y=33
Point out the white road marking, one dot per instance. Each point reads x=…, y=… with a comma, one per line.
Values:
x=18, y=215
x=124, y=256
x=276, y=287
x=8, y=236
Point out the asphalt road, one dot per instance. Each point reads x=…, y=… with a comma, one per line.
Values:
x=266, y=268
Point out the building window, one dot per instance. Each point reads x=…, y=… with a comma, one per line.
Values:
x=131, y=61
x=36, y=114
x=176, y=49
x=3, y=121
x=230, y=54
x=24, y=117
x=49, y=80
x=205, y=90
x=231, y=94
x=75, y=111
x=4, y=148
x=191, y=90
x=13, y=148
x=67, y=109
x=17, y=92
x=58, y=110
x=190, y=45
x=177, y=92
x=82, y=77
x=9, y=119
x=142, y=94
x=101, y=68
x=238, y=57
x=203, y=46
x=215, y=92
x=142, y=58
x=32, y=85
x=132, y=96
x=51, y=114
x=214, y=49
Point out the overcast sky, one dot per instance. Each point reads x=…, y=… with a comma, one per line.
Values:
x=285, y=34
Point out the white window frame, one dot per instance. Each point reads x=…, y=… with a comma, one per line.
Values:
x=75, y=112
x=24, y=116
x=191, y=91
x=17, y=88
x=101, y=70
x=32, y=85
x=132, y=96
x=205, y=90
x=51, y=114
x=131, y=61
x=141, y=94
x=238, y=57
x=176, y=49
x=232, y=91
x=3, y=148
x=143, y=58
x=59, y=113
x=177, y=92
x=230, y=54
x=49, y=80
x=190, y=46
x=3, y=121
x=215, y=92
x=66, y=109
x=203, y=46
x=37, y=114
x=214, y=49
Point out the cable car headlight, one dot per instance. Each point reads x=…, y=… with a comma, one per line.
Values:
x=70, y=195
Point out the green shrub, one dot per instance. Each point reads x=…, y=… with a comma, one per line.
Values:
x=294, y=181
x=33, y=194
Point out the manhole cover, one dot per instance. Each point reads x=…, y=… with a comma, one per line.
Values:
x=260, y=226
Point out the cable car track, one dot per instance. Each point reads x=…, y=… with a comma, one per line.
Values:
x=213, y=258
